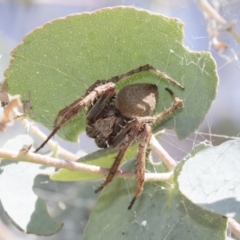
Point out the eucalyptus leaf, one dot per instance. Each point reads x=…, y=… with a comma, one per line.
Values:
x=161, y=212
x=210, y=179
x=22, y=206
x=59, y=61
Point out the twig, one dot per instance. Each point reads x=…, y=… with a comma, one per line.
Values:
x=211, y=13
x=162, y=153
x=234, y=226
x=76, y=166
x=52, y=144
x=5, y=232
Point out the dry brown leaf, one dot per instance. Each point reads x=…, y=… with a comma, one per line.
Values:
x=7, y=117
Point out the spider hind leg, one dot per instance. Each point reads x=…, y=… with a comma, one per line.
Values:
x=124, y=145
x=73, y=109
x=140, y=162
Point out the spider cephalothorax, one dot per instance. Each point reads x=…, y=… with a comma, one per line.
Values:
x=117, y=119
x=107, y=121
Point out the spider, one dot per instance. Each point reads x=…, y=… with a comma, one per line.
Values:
x=116, y=120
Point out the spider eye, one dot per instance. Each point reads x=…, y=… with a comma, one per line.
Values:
x=137, y=100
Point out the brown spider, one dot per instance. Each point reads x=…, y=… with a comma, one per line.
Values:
x=116, y=120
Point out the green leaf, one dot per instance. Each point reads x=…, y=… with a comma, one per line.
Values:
x=59, y=61
x=25, y=210
x=70, y=202
x=210, y=179
x=161, y=212
x=197, y=148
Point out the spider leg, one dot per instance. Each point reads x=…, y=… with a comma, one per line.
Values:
x=71, y=110
x=178, y=103
x=99, y=106
x=129, y=138
x=140, y=162
x=145, y=68
x=114, y=168
x=145, y=139
x=65, y=110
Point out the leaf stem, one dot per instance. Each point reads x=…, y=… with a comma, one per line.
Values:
x=76, y=166
x=162, y=153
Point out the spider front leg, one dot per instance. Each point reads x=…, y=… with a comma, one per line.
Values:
x=144, y=68
x=73, y=109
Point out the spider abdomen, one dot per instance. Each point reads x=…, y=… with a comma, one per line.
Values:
x=137, y=100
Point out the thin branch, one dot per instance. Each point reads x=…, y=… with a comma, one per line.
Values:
x=234, y=226
x=5, y=232
x=211, y=13
x=234, y=34
x=52, y=144
x=156, y=177
x=162, y=153
x=76, y=166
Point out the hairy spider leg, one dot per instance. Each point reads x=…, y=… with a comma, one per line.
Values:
x=130, y=133
x=124, y=143
x=140, y=161
x=77, y=106
x=135, y=125
x=145, y=139
x=65, y=110
x=99, y=106
x=145, y=68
